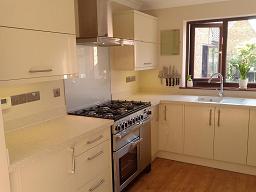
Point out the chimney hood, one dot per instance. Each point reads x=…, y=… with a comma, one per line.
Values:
x=94, y=24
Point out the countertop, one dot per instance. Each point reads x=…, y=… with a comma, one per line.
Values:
x=25, y=143
x=156, y=99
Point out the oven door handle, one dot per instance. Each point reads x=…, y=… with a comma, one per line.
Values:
x=135, y=143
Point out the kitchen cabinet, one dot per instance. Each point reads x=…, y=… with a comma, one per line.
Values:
x=141, y=56
x=171, y=128
x=143, y=29
x=135, y=25
x=231, y=134
x=199, y=130
x=251, y=159
x=4, y=176
x=82, y=165
x=30, y=54
x=51, y=173
x=91, y=164
x=154, y=130
x=55, y=16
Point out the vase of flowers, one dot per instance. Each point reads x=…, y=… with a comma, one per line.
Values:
x=189, y=81
x=243, y=62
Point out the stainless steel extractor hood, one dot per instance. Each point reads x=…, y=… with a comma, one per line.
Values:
x=94, y=24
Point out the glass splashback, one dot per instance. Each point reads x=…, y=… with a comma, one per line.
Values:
x=93, y=83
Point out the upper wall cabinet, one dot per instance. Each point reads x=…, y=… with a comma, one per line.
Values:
x=143, y=29
x=135, y=25
x=27, y=54
x=54, y=16
x=141, y=56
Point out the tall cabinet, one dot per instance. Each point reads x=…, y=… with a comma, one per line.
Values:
x=142, y=28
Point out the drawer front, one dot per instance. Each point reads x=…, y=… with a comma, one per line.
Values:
x=92, y=163
x=91, y=140
x=102, y=183
x=30, y=54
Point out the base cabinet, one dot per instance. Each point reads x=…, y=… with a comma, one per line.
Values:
x=199, y=130
x=63, y=171
x=231, y=134
x=49, y=173
x=154, y=130
x=251, y=158
x=171, y=128
x=216, y=132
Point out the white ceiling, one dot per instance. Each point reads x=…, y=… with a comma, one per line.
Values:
x=159, y=4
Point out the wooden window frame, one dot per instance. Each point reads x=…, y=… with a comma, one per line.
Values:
x=190, y=37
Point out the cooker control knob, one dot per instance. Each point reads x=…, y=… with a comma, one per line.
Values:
x=118, y=128
x=141, y=117
x=149, y=113
x=133, y=120
x=125, y=124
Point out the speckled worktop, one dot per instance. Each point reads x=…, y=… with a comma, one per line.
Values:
x=25, y=143
x=156, y=99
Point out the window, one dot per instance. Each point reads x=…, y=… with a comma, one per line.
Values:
x=214, y=45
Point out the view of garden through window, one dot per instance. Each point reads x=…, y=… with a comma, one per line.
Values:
x=241, y=35
x=206, y=59
x=222, y=46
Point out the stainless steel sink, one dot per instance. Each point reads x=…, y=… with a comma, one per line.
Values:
x=209, y=99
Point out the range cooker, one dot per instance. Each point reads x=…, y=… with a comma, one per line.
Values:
x=131, y=137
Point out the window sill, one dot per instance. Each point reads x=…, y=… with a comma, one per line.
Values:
x=225, y=88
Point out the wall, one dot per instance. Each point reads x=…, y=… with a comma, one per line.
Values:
x=175, y=18
x=47, y=107
x=119, y=86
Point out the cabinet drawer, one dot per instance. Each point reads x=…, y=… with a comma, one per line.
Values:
x=92, y=163
x=102, y=183
x=29, y=54
x=55, y=16
x=91, y=140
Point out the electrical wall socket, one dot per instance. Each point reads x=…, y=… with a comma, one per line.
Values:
x=130, y=79
x=25, y=98
x=56, y=92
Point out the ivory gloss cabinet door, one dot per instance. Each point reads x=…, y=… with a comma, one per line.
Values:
x=231, y=134
x=199, y=130
x=45, y=15
x=4, y=174
x=170, y=128
x=251, y=159
x=30, y=54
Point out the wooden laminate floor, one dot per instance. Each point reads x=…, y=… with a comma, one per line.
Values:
x=172, y=176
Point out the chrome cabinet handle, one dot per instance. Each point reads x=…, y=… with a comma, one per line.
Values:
x=97, y=185
x=94, y=156
x=210, y=118
x=218, y=117
x=147, y=63
x=165, y=110
x=73, y=161
x=40, y=71
x=95, y=140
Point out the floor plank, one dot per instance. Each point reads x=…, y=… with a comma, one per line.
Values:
x=173, y=176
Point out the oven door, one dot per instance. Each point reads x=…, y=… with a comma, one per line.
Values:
x=126, y=164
